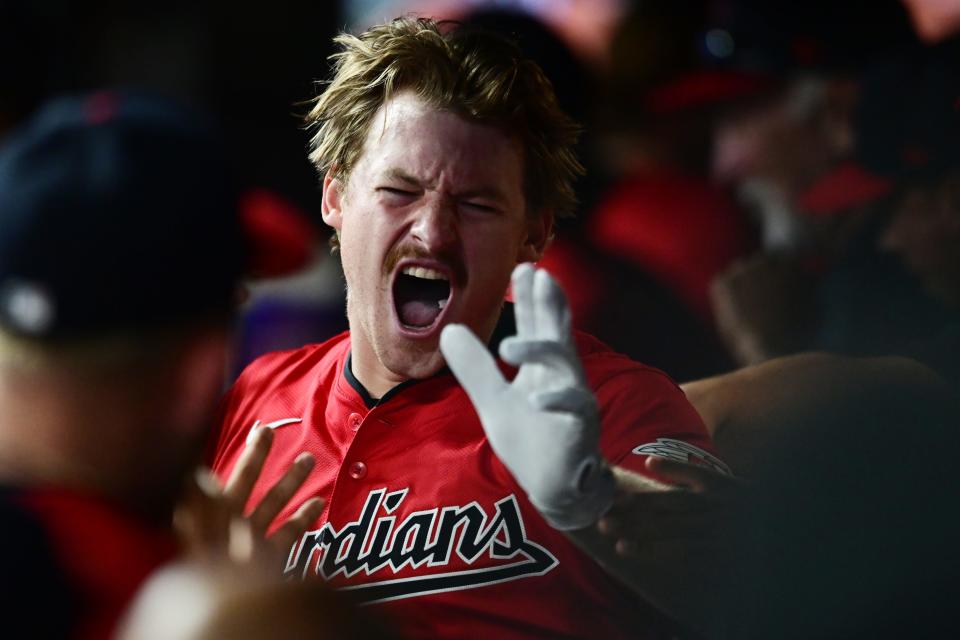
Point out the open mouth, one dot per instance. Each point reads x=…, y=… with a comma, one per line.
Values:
x=420, y=295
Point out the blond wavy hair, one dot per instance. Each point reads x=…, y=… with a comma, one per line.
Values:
x=476, y=74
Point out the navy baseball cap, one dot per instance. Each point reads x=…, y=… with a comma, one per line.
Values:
x=118, y=211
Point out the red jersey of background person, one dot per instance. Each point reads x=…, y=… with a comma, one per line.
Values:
x=680, y=228
x=633, y=311
x=421, y=515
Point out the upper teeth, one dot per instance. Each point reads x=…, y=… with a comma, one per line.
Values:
x=425, y=273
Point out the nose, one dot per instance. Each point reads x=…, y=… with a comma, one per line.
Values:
x=435, y=226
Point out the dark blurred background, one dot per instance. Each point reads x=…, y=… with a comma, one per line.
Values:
x=758, y=182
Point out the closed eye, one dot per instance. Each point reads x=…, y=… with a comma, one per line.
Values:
x=481, y=207
x=396, y=192
x=395, y=197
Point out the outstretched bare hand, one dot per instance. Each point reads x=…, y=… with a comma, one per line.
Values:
x=213, y=520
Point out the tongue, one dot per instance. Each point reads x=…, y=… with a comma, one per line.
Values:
x=418, y=300
x=418, y=313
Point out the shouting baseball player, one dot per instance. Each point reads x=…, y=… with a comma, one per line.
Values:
x=499, y=497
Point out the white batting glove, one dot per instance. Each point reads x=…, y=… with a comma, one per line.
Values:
x=544, y=426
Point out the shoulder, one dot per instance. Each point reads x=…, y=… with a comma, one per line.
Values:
x=606, y=369
x=275, y=383
x=641, y=407
x=285, y=367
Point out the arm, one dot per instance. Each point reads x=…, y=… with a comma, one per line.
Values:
x=678, y=546
x=544, y=426
x=748, y=410
x=763, y=307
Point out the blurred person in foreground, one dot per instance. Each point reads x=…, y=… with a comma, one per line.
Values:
x=121, y=249
x=191, y=600
x=850, y=523
x=458, y=502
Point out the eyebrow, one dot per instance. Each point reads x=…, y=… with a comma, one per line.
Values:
x=398, y=174
x=490, y=193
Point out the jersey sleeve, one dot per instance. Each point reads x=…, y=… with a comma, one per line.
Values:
x=644, y=413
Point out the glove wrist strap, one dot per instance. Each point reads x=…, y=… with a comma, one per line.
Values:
x=588, y=504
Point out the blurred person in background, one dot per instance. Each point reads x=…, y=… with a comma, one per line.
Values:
x=122, y=249
x=787, y=153
x=898, y=290
x=262, y=62
x=661, y=218
x=887, y=279
x=772, y=145
x=611, y=297
x=849, y=546
x=664, y=214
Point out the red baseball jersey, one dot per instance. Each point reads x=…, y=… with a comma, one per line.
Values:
x=423, y=519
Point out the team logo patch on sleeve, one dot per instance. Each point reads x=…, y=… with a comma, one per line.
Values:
x=683, y=452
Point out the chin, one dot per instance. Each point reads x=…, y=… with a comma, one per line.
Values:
x=415, y=362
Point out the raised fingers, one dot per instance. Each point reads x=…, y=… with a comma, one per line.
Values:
x=248, y=468
x=201, y=517
x=576, y=400
x=471, y=363
x=521, y=283
x=298, y=523
x=280, y=493
x=552, y=313
x=519, y=351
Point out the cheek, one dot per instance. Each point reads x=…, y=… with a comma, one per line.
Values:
x=362, y=242
x=357, y=268
x=492, y=258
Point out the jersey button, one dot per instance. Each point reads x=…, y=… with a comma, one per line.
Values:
x=358, y=470
x=354, y=421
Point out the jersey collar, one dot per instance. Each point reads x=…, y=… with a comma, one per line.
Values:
x=506, y=326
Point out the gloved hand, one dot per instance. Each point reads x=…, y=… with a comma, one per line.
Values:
x=544, y=426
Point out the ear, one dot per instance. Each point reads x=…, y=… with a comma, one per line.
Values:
x=332, y=203
x=539, y=234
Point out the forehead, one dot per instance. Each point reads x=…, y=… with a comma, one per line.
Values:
x=438, y=146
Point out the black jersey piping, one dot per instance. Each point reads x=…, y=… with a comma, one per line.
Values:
x=506, y=326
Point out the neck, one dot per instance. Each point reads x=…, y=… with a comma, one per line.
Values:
x=369, y=372
x=378, y=379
